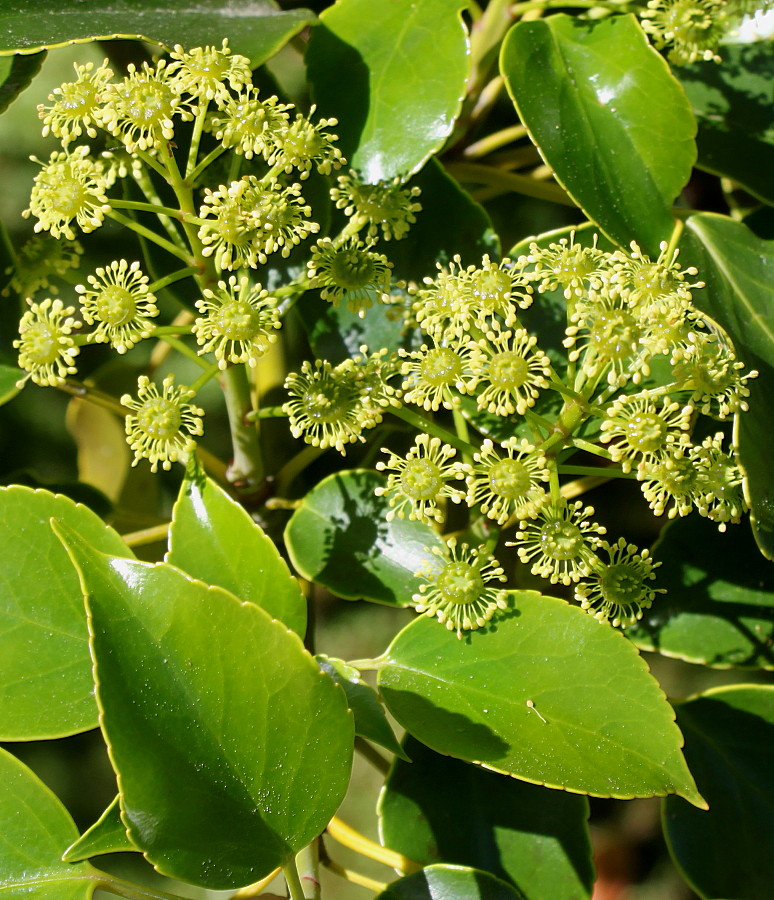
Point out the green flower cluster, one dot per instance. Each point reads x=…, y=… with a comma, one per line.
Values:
x=638, y=366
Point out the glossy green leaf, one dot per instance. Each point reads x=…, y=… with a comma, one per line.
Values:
x=719, y=606
x=214, y=539
x=46, y=686
x=16, y=73
x=339, y=537
x=363, y=66
x=36, y=829
x=450, y=883
x=547, y=694
x=9, y=375
x=232, y=749
x=106, y=835
x=738, y=269
x=728, y=851
x=370, y=717
x=255, y=28
x=439, y=809
x=609, y=118
x=732, y=105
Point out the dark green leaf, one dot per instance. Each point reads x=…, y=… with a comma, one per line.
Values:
x=216, y=541
x=339, y=538
x=46, y=686
x=738, y=269
x=363, y=66
x=609, y=118
x=547, y=694
x=106, y=835
x=732, y=105
x=36, y=829
x=232, y=749
x=449, y=883
x=719, y=605
x=255, y=28
x=16, y=73
x=728, y=851
x=439, y=809
x=370, y=718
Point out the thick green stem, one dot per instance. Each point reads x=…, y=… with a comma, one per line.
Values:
x=179, y=275
x=150, y=235
x=508, y=181
x=246, y=471
x=425, y=425
x=293, y=881
x=308, y=866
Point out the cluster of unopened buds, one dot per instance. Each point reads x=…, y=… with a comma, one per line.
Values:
x=636, y=374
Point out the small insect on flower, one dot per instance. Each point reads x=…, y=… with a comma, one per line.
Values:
x=417, y=481
x=620, y=590
x=460, y=589
x=119, y=302
x=46, y=350
x=239, y=322
x=160, y=426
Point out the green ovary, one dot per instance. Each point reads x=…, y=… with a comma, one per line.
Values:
x=614, y=334
x=441, y=367
x=115, y=305
x=509, y=479
x=561, y=541
x=71, y=197
x=621, y=585
x=421, y=479
x=508, y=371
x=645, y=432
x=325, y=406
x=351, y=270
x=460, y=583
x=236, y=321
x=159, y=418
x=41, y=344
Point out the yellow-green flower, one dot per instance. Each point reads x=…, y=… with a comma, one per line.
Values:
x=384, y=207
x=510, y=372
x=303, y=144
x=507, y=485
x=249, y=125
x=119, y=303
x=161, y=426
x=207, y=73
x=74, y=106
x=46, y=350
x=349, y=272
x=461, y=590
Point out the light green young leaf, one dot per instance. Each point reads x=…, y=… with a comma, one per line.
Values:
x=9, y=375
x=450, y=883
x=728, y=851
x=35, y=829
x=363, y=66
x=231, y=748
x=255, y=28
x=16, y=73
x=46, y=686
x=339, y=538
x=370, y=718
x=609, y=118
x=106, y=835
x=440, y=809
x=546, y=694
x=214, y=539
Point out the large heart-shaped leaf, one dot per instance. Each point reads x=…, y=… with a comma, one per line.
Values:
x=609, y=118
x=439, y=809
x=738, y=269
x=46, y=687
x=728, y=851
x=732, y=105
x=255, y=28
x=364, y=64
x=450, y=883
x=232, y=749
x=216, y=541
x=719, y=606
x=35, y=831
x=547, y=694
x=339, y=537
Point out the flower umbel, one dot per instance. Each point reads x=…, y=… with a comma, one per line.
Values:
x=351, y=272
x=45, y=347
x=207, y=73
x=417, y=481
x=239, y=322
x=507, y=485
x=618, y=591
x=120, y=304
x=510, y=372
x=38, y=260
x=75, y=105
x=384, y=206
x=161, y=426
x=460, y=590
x=304, y=144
